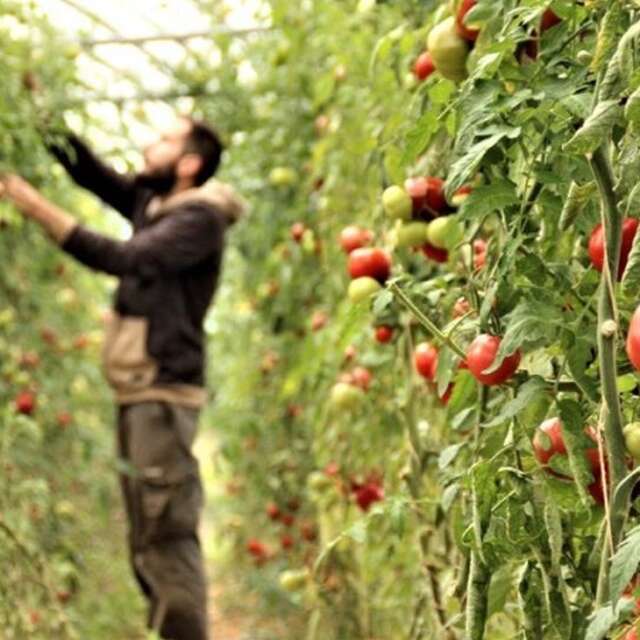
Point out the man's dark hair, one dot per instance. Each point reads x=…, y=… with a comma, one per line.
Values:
x=204, y=141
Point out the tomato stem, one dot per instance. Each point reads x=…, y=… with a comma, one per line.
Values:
x=479, y=574
x=422, y=318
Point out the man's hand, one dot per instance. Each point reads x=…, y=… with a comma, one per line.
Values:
x=56, y=222
x=21, y=193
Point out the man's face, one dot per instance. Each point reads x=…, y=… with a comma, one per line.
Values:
x=161, y=159
x=167, y=150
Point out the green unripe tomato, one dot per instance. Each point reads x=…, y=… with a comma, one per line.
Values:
x=412, y=234
x=410, y=81
x=448, y=50
x=365, y=6
x=71, y=51
x=632, y=439
x=445, y=232
x=283, y=177
x=362, y=288
x=308, y=241
x=281, y=53
x=397, y=203
x=346, y=396
x=294, y=580
x=584, y=57
x=319, y=482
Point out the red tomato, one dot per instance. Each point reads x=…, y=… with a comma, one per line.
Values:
x=544, y=450
x=308, y=531
x=362, y=378
x=633, y=339
x=433, y=253
x=354, y=237
x=256, y=548
x=549, y=19
x=464, y=31
x=479, y=253
x=597, y=245
x=632, y=634
x=29, y=359
x=64, y=418
x=425, y=359
x=332, y=468
x=427, y=195
x=374, y=263
x=384, y=333
x=417, y=190
x=423, y=66
x=287, y=519
x=294, y=410
x=25, y=403
x=367, y=494
x=293, y=504
x=273, y=511
x=461, y=195
x=446, y=396
x=297, y=231
x=286, y=541
x=480, y=356
x=435, y=195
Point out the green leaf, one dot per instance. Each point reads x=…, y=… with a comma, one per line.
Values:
x=626, y=383
x=576, y=442
x=420, y=135
x=579, y=358
x=632, y=108
x=528, y=393
x=530, y=322
x=633, y=201
x=465, y=390
x=382, y=48
x=465, y=167
x=447, y=455
x=553, y=524
x=449, y=495
x=488, y=65
x=577, y=199
x=608, y=37
x=596, y=128
x=323, y=88
x=397, y=511
x=499, y=589
x=382, y=300
x=631, y=276
x=604, y=619
x=624, y=564
x=486, y=199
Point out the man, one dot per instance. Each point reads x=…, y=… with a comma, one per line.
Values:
x=154, y=351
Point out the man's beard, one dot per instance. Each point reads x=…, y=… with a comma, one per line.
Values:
x=160, y=181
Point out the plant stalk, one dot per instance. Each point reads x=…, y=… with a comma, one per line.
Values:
x=607, y=333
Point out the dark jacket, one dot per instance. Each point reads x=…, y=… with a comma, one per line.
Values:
x=168, y=271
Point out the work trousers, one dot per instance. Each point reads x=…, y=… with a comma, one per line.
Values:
x=163, y=497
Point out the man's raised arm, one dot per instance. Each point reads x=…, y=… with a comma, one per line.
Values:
x=88, y=171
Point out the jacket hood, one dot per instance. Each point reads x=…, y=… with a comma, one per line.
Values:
x=220, y=194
